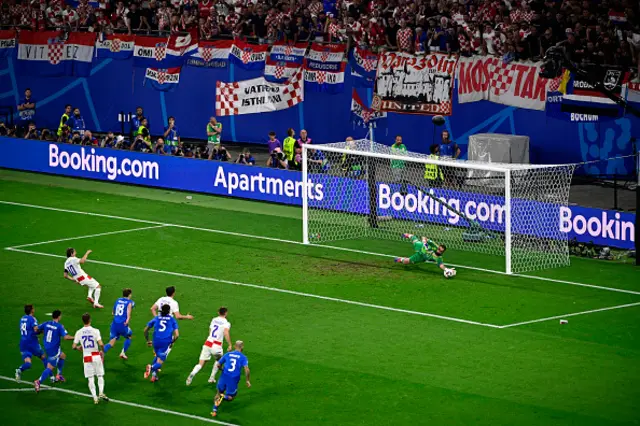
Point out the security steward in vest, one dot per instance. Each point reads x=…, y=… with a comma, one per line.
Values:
x=143, y=138
x=432, y=172
x=63, y=129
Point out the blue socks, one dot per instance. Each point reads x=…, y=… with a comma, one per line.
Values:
x=46, y=374
x=155, y=367
x=107, y=347
x=127, y=343
x=60, y=365
x=25, y=366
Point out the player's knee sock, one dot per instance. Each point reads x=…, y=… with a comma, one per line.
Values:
x=44, y=362
x=155, y=367
x=96, y=296
x=215, y=370
x=60, y=365
x=92, y=387
x=101, y=384
x=127, y=343
x=46, y=374
x=25, y=366
x=195, y=370
x=107, y=347
x=90, y=293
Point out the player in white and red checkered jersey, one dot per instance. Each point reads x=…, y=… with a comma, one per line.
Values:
x=89, y=341
x=232, y=20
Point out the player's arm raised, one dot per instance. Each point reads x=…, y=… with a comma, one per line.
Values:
x=86, y=255
x=247, y=375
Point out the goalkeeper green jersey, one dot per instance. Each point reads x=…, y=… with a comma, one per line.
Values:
x=425, y=252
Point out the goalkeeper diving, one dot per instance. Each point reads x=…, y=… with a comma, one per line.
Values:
x=426, y=251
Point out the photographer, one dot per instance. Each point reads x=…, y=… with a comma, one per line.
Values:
x=296, y=161
x=246, y=158
x=277, y=160
x=142, y=142
x=219, y=153
x=159, y=147
x=76, y=122
x=109, y=141
x=88, y=139
x=6, y=130
x=76, y=139
x=47, y=135
x=32, y=132
x=172, y=136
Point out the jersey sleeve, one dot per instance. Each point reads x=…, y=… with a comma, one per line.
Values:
x=76, y=338
x=224, y=358
x=439, y=260
x=176, y=307
x=62, y=331
x=245, y=361
x=432, y=245
x=98, y=335
x=157, y=304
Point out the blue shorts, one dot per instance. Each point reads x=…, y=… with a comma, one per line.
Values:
x=160, y=348
x=228, y=385
x=31, y=350
x=120, y=330
x=53, y=359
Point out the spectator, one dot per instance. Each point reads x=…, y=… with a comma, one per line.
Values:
x=289, y=145
x=351, y=164
x=391, y=34
x=398, y=166
x=46, y=135
x=88, y=139
x=142, y=141
x=76, y=122
x=304, y=138
x=6, y=130
x=172, y=136
x=136, y=121
x=27, y=110
x=63, y=128
x=317, y=161
x=273, y=143
x=448, y=148
x=246, y=158
x=31, y=131
x=214, y=134
x=277, y=159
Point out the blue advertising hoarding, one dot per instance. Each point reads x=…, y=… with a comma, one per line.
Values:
x=602, y=227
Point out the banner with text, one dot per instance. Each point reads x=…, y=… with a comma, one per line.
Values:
x=515, y=84
x=602, y=227
x=413, y=84
x=258, y=95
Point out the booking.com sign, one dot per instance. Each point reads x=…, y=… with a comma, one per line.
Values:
x=602, y=227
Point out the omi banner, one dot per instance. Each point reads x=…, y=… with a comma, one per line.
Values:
x=413, y=84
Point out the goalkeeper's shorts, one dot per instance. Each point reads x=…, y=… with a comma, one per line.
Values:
x=418, y=257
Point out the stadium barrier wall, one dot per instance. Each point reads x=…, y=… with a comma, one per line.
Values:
x=602, y=227
x=116, y=86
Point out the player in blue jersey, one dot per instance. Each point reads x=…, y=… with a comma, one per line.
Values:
x=120, y=325
x=232, y=363
x=165, y=333
x=29, y=345
x=53, y=333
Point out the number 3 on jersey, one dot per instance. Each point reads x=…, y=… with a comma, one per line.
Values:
x=232, y=361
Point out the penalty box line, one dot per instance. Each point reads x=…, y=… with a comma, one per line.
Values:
x=610, y=308
x=261, y=287
x=127, y=403
x=279, y=240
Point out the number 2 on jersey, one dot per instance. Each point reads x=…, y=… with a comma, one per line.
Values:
x=214, y=331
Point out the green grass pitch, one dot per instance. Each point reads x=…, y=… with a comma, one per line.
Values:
x=333, y=337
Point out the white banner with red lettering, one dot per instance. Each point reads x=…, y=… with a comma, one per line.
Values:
x=488, y=78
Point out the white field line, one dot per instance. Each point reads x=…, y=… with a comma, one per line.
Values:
x=610, y=308
x=22, y=390
x=80, y=237
x=259, y=237
x=277, y=290
x=130, y=404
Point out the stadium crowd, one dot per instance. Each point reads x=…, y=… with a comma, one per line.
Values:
x=599, y=31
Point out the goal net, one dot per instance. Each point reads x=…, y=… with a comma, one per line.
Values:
x=363, y=195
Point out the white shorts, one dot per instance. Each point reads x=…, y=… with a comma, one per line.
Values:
x=208, y=352
x=95, y=367
x=87, y=281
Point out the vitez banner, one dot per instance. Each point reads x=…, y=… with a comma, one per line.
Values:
x=515, y=84
x=413, y=84
x=258, y=95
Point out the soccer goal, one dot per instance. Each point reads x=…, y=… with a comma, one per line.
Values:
x=363, y=195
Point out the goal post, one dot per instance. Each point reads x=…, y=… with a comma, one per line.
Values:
x=494, y=216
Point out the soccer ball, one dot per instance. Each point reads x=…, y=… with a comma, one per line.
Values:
x=449, y=273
